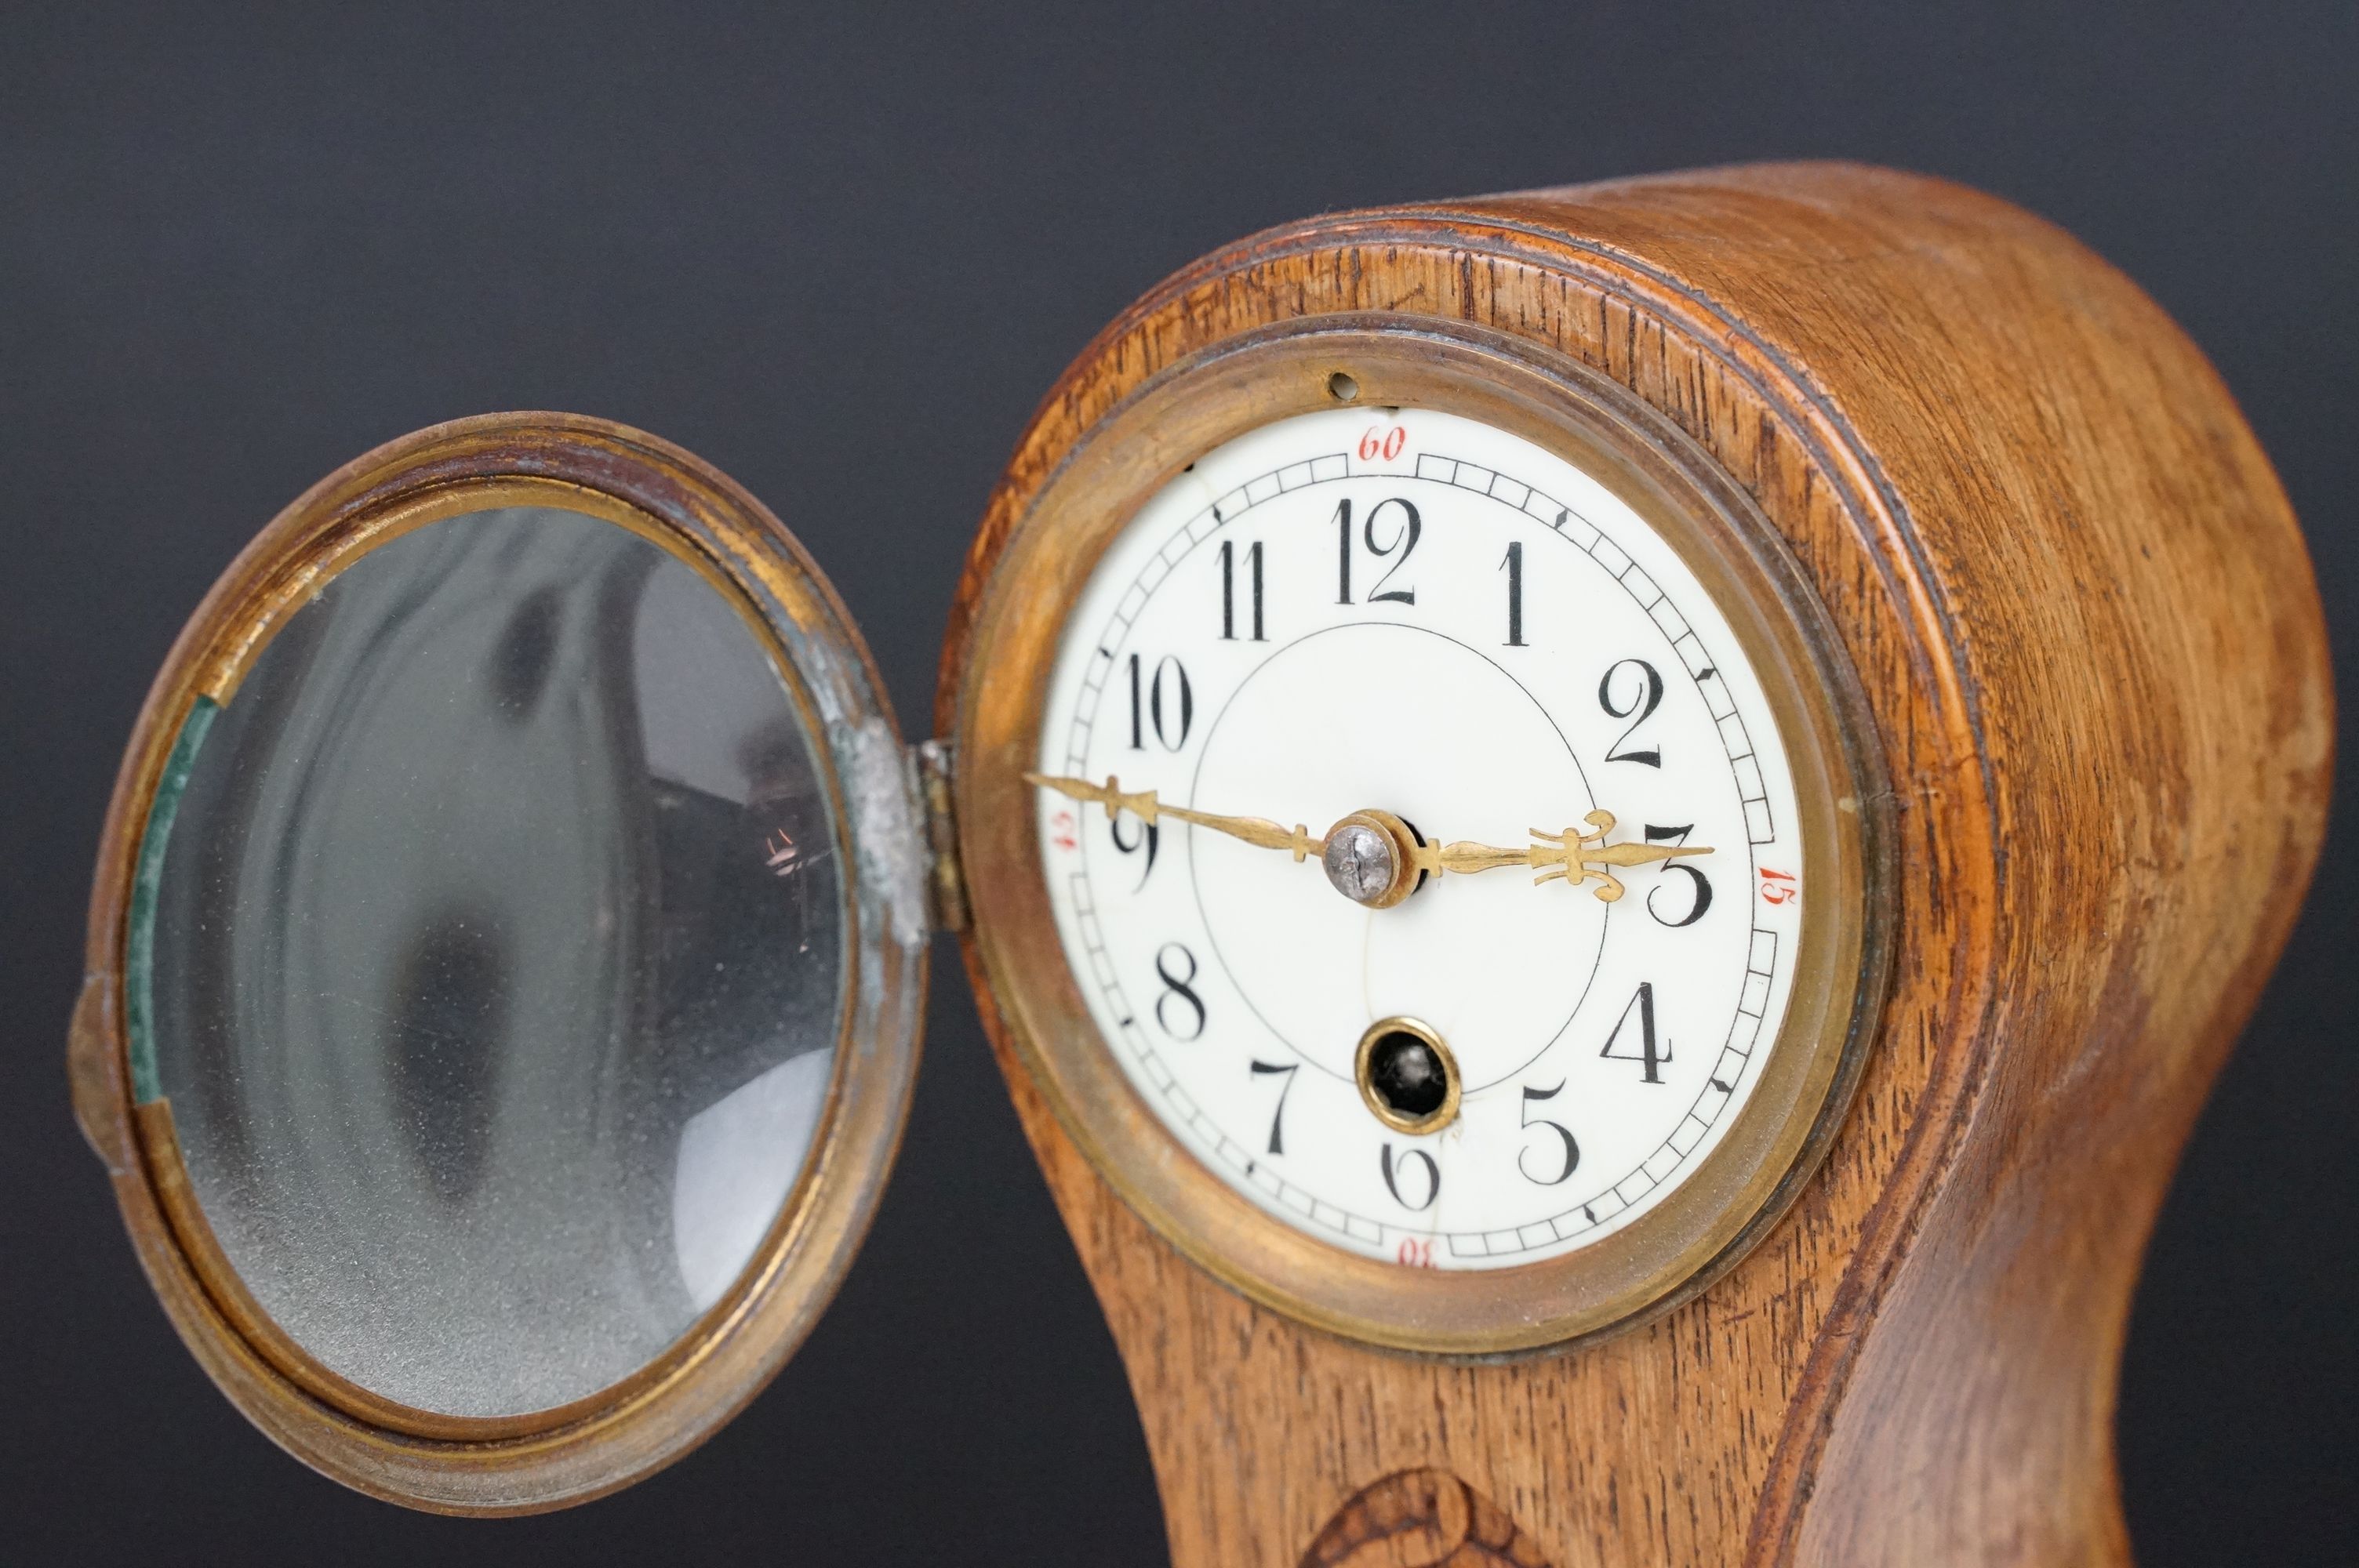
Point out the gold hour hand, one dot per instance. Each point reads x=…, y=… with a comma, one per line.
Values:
x=1555, y=855
x=1143, y=804
x=1572, y=855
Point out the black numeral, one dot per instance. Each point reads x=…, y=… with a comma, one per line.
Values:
x=1160, y=702
x=1649, y=1052
x=1402, y=546
x=1572, y=1149
x=1229, y=589
x=1405, y=542
x=1147, y=836
x=1178, y=987
x=1278, y=1120
x=1392, y=1179
x=1344, y=551
x=1703, y=889
x=1513, y=566
x=1644, y=697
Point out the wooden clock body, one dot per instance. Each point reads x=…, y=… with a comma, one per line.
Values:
x=2079, y=606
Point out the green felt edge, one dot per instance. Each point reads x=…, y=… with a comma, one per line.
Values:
x=140, y=954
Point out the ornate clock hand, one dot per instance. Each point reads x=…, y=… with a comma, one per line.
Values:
x=1143, y=804
x=1593, y=855
x=1375, y=858
x=1377, y=873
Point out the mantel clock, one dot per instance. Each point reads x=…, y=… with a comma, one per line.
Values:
x=1608, y=836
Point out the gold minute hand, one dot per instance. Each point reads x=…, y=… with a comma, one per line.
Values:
x=1143, y=804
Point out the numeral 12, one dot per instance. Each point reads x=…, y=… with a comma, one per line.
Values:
x=1403, y=544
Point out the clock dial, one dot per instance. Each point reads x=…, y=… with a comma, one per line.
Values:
x=1423, y=843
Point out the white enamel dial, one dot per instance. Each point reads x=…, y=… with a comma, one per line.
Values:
x=1412, y=612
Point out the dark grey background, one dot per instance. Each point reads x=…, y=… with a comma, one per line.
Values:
x=842, y=252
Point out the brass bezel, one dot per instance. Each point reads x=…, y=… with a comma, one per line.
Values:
x=1433, y=1121
x=1701, y=1231
x=552, y=1458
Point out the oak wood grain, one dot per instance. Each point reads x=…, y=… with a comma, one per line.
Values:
x=2079, y=605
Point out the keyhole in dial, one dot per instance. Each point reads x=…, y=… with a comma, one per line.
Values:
x=1407, y=1076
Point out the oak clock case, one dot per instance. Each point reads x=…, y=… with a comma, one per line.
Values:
x=1539, y=794
x=2030, y=530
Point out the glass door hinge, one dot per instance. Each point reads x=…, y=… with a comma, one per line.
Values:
x=946, y=889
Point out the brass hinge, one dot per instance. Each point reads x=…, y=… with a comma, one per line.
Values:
x=946, y=888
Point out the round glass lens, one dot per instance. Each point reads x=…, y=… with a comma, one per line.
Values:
x=488, y=952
